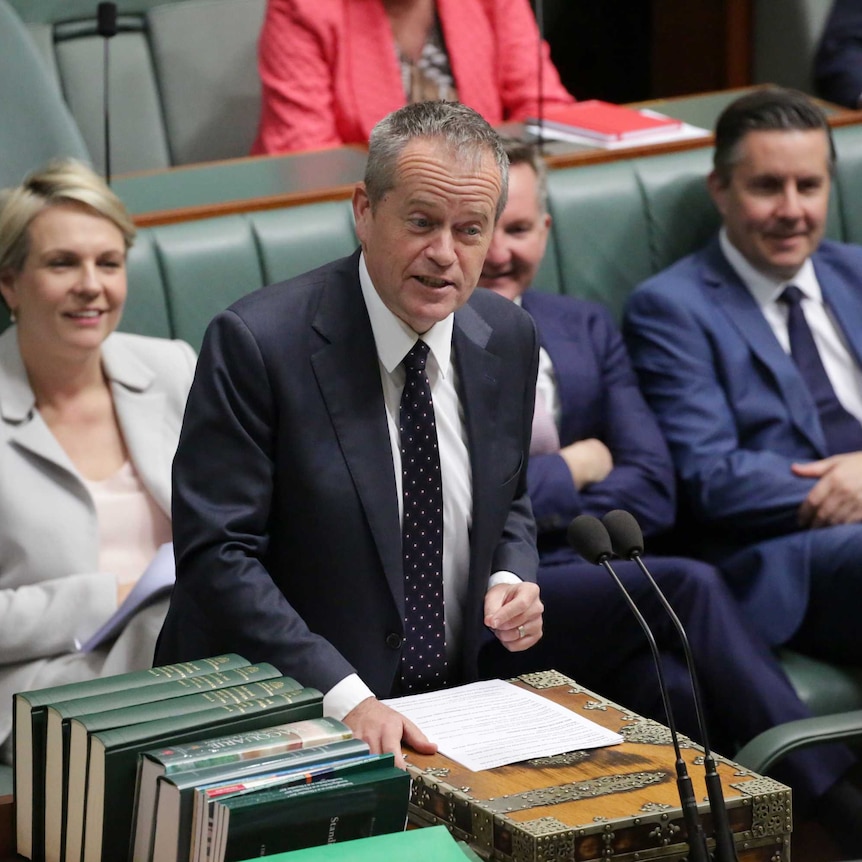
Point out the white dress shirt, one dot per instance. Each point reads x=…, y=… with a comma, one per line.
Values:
x=394, y=339
x=841, y=368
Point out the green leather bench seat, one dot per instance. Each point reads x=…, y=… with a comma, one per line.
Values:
x=181, y=276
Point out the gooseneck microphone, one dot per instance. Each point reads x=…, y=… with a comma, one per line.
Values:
x=589, y=537
x=106, y=27
x=627, y=541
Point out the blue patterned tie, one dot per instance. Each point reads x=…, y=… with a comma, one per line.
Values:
x=423, y=661
x=842, y=431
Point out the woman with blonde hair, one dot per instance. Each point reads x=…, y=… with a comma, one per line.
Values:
x=89, y=420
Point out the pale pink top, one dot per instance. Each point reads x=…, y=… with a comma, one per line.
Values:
x=131, y=525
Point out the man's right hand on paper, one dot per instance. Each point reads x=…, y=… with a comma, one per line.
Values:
x=384, y=730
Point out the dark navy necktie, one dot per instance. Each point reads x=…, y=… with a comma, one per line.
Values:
x=423, y=661
x=842, y=431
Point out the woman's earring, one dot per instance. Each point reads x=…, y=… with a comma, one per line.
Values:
x=12, y=318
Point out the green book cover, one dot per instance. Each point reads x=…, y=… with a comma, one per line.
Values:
x=234, y=747
x=29, y=724
x=343, y=808
x=322, y=738
x=429, y=844
x=113, y=706
x=111, y=766
x=178, y=824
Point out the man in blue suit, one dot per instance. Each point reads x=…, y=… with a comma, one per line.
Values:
x=360, y=425
x=750, y=353
x=596, y=446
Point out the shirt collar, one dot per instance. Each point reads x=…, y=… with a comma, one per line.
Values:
x=393, y=337
x=764, y=288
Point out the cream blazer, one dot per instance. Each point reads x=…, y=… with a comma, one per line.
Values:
x=51, y=592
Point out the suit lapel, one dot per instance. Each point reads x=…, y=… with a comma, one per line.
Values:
x=725, y=289
x=141, y=414
x=348, y=374
x=479, y=386
x=26, y=428
x=844, y=303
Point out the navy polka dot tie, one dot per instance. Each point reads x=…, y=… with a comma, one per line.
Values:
x=423, y=660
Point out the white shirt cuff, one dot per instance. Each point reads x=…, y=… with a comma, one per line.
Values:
x=503, y=577
x=344, y=696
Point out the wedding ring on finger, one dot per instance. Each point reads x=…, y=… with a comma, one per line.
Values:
x=521, y=631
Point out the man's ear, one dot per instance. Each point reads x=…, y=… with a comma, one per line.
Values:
x=361, y=210
x=717, y=188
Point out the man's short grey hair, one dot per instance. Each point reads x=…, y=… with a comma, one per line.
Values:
x=769, y=109
x=460, y=128
x=521, y=153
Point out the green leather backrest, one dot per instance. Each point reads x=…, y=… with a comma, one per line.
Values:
x=74, y=55
x=183, y=82
x=35, y=125
x=181, y=276
x=847, y=194
x=205, y=60
x=297, y=239
x=599, y=231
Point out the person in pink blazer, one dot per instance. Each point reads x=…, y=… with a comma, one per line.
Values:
x=330, y=69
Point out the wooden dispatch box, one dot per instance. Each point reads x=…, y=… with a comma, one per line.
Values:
x=619, y=802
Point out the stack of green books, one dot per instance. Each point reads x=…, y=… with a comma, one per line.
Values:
x=177, y=786
x=207, y=761
x=334, y=801
x=29, y=729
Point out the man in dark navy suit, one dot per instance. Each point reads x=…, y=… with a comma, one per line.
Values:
x=596, y=446
x=342, y=420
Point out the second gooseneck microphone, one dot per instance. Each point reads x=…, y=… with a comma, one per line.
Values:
x=627, y=541
x=589, y=537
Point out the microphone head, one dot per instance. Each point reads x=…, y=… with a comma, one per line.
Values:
x=589, y=537
x=106, y=19
x=626, y=537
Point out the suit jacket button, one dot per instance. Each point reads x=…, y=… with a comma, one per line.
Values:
x=393, y=640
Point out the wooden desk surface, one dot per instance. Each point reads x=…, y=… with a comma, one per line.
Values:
x=269, y=182
x=619, y=800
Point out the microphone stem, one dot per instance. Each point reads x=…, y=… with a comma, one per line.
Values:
x=688, y=802
x=725, y=851
x=106, y=76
